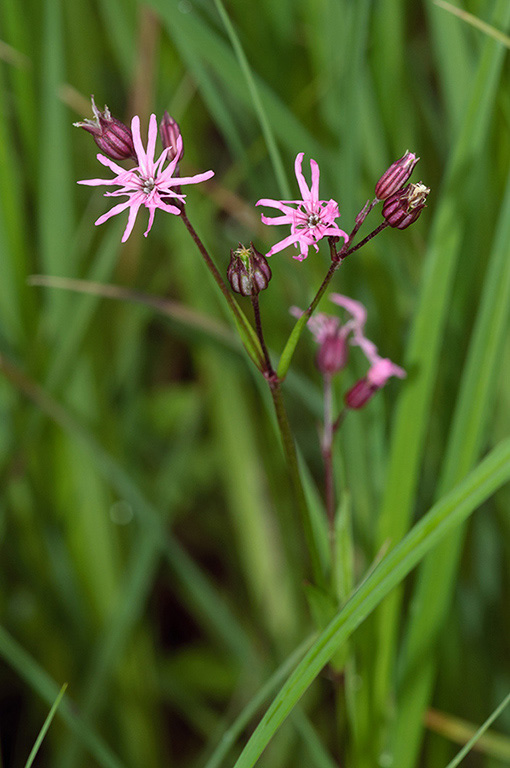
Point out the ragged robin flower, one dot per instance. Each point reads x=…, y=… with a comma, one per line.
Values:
x=381, y=369
x=331, y=334
x=333, y=338
x=311, y=219
x=149, y=183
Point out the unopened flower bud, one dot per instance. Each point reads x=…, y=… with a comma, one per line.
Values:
x=396, y=176
x=332, y=354
x=112, y=137
x=360, y=394
x=403, y=207
x=170, y=132
x=248, y=272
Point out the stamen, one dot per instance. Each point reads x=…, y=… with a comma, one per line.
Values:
x=148, y=185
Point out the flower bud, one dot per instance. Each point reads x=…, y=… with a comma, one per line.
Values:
x=360, y=394
x=332, y=354
x=112, y=137
x=396, y=176
x=403, y=207
x=248, y=272
x=170, y=132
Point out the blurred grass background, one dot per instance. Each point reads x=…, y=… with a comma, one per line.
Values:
x=150, y=556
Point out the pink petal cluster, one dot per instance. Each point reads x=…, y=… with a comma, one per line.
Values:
x=332, y=335
x=147, y=184
x=381, y=368
x=310, y=221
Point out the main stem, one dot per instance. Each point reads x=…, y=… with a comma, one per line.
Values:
x=289, y=449
x=281, y=414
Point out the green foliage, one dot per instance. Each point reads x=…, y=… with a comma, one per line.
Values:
x=152, y=555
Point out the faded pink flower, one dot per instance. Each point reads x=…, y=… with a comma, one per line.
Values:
x=332, y=336
x=310, y=221
x=148, y=184
x=381, y=368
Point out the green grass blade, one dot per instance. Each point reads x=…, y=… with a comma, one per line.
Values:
x=455, y=63
x=474, y=404
x=470, y=18
x=205, y=48
x=179, y=313
x=204, y=598
x=56, y=209
x=45, y=727
x=425, y=344
x=460, y=731
x=472, y=741
x=115, y=637
x=30, y=671
x=258, y=106
x=230, y=736
x=318, y=755
x=455, y=508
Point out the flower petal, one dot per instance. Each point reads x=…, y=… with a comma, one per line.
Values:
x=303, y=186
x=276, y=219
x=196, y=179
x=168, y=208
x=96, y=182
x=113, y=212
x=110, y=164
x=290, y=240
x=137, y=142
x=381, y=371
x=355, y=308
x=133, y=210
x=151, y=143
x=315, y=180
x=152, y=211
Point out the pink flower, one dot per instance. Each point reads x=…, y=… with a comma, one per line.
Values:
x=381, y=368
x=148, y=184
x=310, y=221
x=332, y=336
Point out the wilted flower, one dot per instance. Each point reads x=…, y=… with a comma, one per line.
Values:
x=310, y=221
x=331, y=335
x=381, y=369
x=248, y=272
x=148, y=184
x=403, y=207
x=111, y=136
x=396, y=176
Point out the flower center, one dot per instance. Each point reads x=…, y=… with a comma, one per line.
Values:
x=148, y=185
x=314, y=219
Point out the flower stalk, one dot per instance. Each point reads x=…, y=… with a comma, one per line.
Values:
x=289, y=449
x=248, y=336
